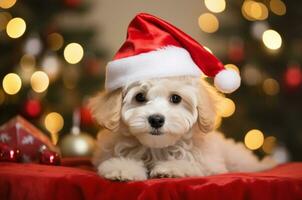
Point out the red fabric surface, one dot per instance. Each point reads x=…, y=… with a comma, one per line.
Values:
x=35, y=182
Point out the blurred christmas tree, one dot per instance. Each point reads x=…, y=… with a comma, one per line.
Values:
x=47, y=70
x=264, y=41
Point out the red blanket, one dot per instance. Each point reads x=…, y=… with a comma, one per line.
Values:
x=41, y=182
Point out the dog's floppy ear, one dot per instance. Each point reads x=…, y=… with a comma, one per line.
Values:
x=208, y=99
x=106, y=108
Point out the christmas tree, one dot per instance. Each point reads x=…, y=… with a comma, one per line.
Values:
x=264, y=43
x=47, y=70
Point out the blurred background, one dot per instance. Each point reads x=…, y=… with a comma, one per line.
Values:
x=53, y=55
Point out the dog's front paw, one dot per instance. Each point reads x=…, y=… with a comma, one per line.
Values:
x=175, y=169
x=123, y=169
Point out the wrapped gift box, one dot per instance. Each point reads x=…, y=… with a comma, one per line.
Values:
x=21, y=134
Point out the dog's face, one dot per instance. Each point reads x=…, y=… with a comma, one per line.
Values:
x=157, y=112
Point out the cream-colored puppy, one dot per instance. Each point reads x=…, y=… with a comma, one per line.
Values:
x=164, y=128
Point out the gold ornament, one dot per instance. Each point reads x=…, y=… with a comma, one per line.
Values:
x=77, y=143
x=81, y=144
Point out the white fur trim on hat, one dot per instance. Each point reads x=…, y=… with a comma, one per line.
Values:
x=165, y=62
x=227, y=80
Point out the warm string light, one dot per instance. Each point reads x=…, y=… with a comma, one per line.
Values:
x=226, y=107
x=253, y=10
x=54, y=122
x=5, y=4
x=55, y=41
x=270, y=87
x=208, y=23
x=12, y=83
x=254, y=139
x=272, y=39
x=27, y=61
x=215, y=6
x=73, y=53
x=251, y=75
x=269, y=144
x=16, y=27
x=39, y=81
x=278, y=7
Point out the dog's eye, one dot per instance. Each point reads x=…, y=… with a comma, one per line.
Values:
x=175, y=98
x=140, y=97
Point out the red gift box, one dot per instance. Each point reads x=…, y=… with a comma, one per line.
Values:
x=21, y=134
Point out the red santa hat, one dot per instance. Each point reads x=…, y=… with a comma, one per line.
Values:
x=155, y=48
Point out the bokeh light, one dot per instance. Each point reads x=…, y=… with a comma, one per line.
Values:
x=254, y=139
x=54, y=122
x=27, y=61
x=51, y=66
x=208, y=23
x=4, y=19
x=226, y=107
x=258, y=28
x=32, y=108
x=7, y=3
x=73, y=53
x=39, y=81
x=293, y=76
x=11, y=83
x=253, y=10
x=33, y=46
x=269, y=144
x=270, y=87
x=278, y=7
x=215, y=6
x=232, y=67
x=16, y=27
x=251, y=75
x=55, y=41
x=272, y=39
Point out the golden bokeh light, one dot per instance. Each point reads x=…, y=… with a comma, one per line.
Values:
x=12, y=83
x=73, y=53
x=215, y=6
x=16, y=27
x=226, y=107
x=4, y=19
x=278, y=7
x=269, y=144
x=232, y=67
x=208, y=23
x=54, y=122
x=27, y=61
x=270, y=87
x=55, y=41
x=272, y=39
x=39, y=81
x=253, y=10
x=7, y=3
x=254, y=139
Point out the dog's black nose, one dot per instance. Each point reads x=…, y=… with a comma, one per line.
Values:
x=156, y=121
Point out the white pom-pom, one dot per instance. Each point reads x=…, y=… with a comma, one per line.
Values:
x=227, y=81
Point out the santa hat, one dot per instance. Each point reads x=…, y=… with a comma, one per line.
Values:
x=154, y=48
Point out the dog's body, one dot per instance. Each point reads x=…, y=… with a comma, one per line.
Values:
x=164, y=128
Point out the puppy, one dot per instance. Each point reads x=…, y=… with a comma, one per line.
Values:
x=164, y=128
